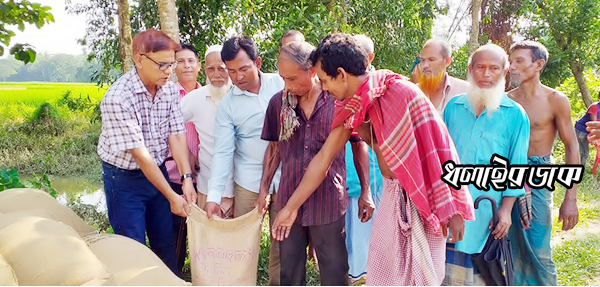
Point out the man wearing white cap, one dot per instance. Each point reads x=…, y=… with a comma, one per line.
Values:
x=200, y=108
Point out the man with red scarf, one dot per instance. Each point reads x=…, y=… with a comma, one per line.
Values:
x=411, y=142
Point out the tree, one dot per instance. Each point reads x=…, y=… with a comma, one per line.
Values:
x=573, y=27
x=125, y=36
x=169, y=22
x=20, y=12
x=398, y=30
x=474, y=35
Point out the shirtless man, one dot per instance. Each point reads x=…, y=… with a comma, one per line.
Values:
x=549, y=113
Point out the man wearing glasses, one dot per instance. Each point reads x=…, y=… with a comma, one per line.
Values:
x=141, y=118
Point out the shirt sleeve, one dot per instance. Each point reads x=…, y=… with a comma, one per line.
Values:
x=120, y=124
x=270, y=130
x=176, y=118
x=593, y=110
x=519, y=147
x=223, y=155
x=187, y=109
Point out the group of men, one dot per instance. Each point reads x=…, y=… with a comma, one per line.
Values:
x=315, y=143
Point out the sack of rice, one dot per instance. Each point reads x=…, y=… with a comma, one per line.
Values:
x=7, y=275
x=7, y=219
x=20, y=199
x=42, y=251
x=130, y=262
x=223, y=251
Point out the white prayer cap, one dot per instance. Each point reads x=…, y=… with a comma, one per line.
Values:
x=212, y=49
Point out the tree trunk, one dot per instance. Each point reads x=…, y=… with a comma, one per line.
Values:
x=474, y=37
x=583, y=89
x=169, y=21
x=125, y=36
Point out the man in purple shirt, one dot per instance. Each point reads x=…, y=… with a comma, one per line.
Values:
x=297, y=123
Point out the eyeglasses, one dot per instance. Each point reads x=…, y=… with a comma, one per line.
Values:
x=162, y=66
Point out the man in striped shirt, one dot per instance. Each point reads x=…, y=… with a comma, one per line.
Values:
x=187, y=73
x=297, y=123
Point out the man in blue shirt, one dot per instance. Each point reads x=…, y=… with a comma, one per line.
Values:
x=483, y=122
x=238, y=126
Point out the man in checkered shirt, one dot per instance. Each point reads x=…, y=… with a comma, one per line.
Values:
x=141, y=118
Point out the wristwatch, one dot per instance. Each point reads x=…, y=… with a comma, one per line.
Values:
x=183, y=177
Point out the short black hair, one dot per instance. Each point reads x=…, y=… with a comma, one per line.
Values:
x=341, y=51
x=189, y=47
x=237, y=43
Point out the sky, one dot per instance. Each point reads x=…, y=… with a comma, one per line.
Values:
x=58, y=37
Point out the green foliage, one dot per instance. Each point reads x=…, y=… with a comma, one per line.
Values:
x=398, y=30
x=79, y=103
x=578, y=261
x=48, y=68
x=18, y=13
x=45, y=120
x=9, y=178
x=460, y=59
x=569, y=87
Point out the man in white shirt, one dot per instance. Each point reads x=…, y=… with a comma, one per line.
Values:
x=200, y=108
x=238, y=144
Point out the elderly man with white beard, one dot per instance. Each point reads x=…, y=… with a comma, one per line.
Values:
x=483, y=122
x=200, y=108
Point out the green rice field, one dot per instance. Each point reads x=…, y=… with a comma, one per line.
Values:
x=36, y=93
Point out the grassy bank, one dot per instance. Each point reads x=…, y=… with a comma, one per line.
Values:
x=59, y=139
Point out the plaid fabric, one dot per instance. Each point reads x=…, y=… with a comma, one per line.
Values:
x=191, y=137
x=414, y=142
x=460, y=270
x=404, y=251
x=132, y=118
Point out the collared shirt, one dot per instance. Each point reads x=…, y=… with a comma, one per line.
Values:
x=452, y=88
x=191, y=137
x=505, y=132
x=239, y=123
x=200, y=110
x=330, y=200
x=132, y=118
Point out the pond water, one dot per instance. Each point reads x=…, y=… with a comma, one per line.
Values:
x=90, y=192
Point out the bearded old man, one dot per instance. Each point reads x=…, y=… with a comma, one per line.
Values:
x=434, y=81
x=483, y=122
x=200, y=108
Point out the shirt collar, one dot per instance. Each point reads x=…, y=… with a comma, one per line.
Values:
x=237, y=91
x=182, y=90
x=504, y=102
x=140, y=88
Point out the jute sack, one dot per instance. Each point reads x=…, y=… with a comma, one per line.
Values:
x=223, y=251
x=130, y=262
x=7, y=219
x=42, y=251
x=19, y=199
x=7, y=275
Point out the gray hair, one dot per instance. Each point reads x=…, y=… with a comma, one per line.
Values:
x=299, y=52
x=365, y=42
x=446, y=48
x=490, y=48
x=538, y=51
x=291, y=33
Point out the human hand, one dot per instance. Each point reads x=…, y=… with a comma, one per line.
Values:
x=568, y=214
x=365, y=207
x=504, y=222
x=456, y=225
x=212, y=208
x=283, y=223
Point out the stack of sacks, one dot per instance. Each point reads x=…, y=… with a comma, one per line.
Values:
x=45, y=243
x=40, y=203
